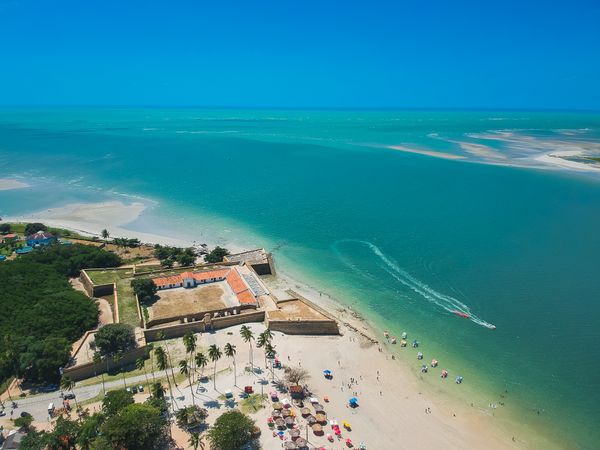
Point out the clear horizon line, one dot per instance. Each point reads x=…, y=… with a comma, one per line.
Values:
x=305, y=108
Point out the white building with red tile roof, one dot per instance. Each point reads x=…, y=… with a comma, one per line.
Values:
x=242, y=290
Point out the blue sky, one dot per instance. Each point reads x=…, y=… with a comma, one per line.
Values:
x=396, y=54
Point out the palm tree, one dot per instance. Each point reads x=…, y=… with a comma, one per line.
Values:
x=268, y=335
x=98, y=359
x=270, y=353
x=157, y=390
x=185, y=370
x=161, y=336
x=230, y=353
x=117, y=359
x=260, y=343
x=196, y=441
x=214, y=353
x=189, y=341
x=248, y=336
x=105, y=234
x=140, y=364
x=201, y=361
x=150, y=350
x=162, y=364
x=67, y=384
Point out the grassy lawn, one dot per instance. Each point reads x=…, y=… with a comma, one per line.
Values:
x=127, y=305
x=108, y=276
x=253, y=403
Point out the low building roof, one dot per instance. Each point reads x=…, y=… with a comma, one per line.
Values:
x=40, y=235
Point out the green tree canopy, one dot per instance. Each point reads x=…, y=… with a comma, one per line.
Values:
x=136, y=427
x=115, y=338
x=70, y=259
x=115, y=401
x=191, y=417
x=41, y=315
x=34, y=227
x=4, y=228
x=144, y=288
x=216, y=255
x=232, y=431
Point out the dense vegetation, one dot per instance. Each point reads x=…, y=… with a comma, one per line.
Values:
x=216, y=255
x=68, y=260
x=168, y=256
x=114, y=339
x=32, y=228
x=126, y=242
x=144, y=288
x=41, y=314
x=233, y=430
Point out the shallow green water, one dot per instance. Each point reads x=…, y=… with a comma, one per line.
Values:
x=405, y=238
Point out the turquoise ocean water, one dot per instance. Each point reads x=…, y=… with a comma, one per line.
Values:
x=402, y=237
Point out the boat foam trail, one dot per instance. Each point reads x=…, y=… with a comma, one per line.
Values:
x=446, y=302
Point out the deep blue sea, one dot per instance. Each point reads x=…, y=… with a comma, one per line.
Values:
x=403, y=237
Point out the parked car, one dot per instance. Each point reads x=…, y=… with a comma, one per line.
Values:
x=25, y=414
x=69, y=396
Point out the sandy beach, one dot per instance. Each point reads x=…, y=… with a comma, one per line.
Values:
x=90, y=219
x=7, y=184
x=557, y=159
x=398, y=409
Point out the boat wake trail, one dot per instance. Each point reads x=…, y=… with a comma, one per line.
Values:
x=446, y=302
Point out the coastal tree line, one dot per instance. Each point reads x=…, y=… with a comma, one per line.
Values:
x=42, y=315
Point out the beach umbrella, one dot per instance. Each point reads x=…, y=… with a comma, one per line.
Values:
x=280, y=423
x=275, y=413
x=305, y=412
x=321, y=418
x=295, y=433
x=286, y=413
x=318, y=407
x=277, y=405
x=289, y=421
x=317, y=429
x=311, y=420
x=301, y=442
x=290, y=445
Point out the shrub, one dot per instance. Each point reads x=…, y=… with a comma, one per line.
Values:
x=115, y=338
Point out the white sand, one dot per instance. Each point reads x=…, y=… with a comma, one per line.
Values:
x=425, y=152
x=557, y=159
x=392, y=412
x=7, y=184
x=91, y=218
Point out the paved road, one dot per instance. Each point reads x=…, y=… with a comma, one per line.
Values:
x=37, y=405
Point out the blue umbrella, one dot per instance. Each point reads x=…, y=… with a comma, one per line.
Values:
x=353, y=400
x=327, y=372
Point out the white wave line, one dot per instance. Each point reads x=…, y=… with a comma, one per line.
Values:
x=445, y=302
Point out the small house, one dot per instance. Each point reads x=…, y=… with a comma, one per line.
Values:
x=9, y=238
x=40, y=238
